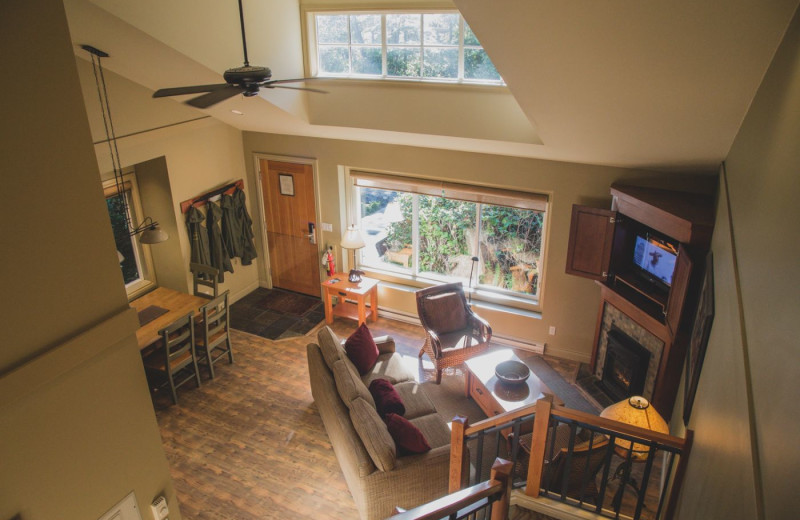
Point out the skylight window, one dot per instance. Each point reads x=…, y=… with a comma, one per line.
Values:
x=437, y=46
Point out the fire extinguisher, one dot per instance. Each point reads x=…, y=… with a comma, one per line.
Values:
x=329, y=261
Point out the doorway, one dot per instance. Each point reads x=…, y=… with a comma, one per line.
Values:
x=287, y=191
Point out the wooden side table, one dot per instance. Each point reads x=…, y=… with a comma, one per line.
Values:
x=352, y=298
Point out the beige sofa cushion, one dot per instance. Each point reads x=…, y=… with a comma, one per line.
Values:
x=390, y=367
x=415, y=400
x=331, y=346
x=349, y=384
x=434, y=429
x=374, y=434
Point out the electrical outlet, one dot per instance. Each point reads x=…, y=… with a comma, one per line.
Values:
x=327, y=227
x=552, y=331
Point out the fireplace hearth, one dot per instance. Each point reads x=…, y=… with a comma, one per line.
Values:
x=625, y=367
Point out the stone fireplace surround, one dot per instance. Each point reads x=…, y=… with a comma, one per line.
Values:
x=616, y=318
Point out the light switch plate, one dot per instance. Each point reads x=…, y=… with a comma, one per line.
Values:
x=327, y=227
x=160, y=509
x=552, y=331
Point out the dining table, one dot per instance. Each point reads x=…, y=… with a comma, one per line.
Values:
x=160, y=307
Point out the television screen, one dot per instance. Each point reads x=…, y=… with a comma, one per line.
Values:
x=655, y=257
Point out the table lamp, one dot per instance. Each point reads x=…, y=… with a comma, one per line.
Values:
x=636, y=411
x=352, y=239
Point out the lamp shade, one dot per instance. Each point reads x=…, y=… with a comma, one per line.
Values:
x=352, y=239
x=153, y=235
x=636, y=411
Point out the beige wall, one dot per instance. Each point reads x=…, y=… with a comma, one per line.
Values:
x=77, y=426
x=173, y=163
x=743, y=463
x=569, y=303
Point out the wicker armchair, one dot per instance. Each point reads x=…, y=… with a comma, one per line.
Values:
x=453, y=333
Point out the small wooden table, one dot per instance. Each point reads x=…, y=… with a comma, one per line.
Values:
x=178, y=305
x=495, y=397
x=352, y=298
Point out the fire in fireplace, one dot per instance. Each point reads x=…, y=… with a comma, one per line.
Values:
x=625, y=367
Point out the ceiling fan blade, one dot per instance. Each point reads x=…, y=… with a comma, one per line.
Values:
x=215, y=96
x=177, y=91
x=318, y=91
x=276, y=81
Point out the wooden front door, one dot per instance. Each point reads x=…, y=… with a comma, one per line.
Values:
x=290, y=213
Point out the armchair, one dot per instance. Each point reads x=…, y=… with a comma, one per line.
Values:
x=453, y=333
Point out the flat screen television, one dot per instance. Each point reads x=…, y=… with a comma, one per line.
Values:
x=654, y=259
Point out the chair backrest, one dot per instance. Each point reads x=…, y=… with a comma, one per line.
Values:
x=215, y=315
x=578, y=476
x=443, y=308
x=204, y=276
x=178, y=339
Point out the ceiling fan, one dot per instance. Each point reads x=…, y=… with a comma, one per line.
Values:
x=246, y=80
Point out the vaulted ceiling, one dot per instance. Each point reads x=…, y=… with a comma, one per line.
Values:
x=662, y=85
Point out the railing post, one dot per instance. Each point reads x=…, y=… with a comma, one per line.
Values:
x=538, y=442
x=680, y=472
x=501, y=472
x=457, y=452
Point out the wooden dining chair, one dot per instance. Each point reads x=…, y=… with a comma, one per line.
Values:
x=204, y=277
x=176, y=361
x=212, y=335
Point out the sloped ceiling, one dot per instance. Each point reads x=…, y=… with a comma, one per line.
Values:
x=620, y=82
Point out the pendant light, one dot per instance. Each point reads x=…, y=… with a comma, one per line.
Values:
x=149, y=229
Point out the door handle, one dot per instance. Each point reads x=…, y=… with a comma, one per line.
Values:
x=312, y=235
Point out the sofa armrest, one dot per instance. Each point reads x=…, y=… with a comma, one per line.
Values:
x=385, y=344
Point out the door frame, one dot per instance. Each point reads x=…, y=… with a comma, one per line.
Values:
x=314, y=163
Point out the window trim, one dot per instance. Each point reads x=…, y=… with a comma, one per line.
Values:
x=536, y=201
x=145, y=258
x=310, y=45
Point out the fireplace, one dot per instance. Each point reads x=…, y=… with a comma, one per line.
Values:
x=625, y=367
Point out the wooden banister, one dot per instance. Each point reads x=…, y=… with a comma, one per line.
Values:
x=458, y=448
x=536, y=462
x=497, y=489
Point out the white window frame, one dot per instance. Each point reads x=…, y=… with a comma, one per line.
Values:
x=144, y=258
x=417, y=278
x=311, y=55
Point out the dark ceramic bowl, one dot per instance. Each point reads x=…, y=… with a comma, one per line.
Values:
x=512, y=372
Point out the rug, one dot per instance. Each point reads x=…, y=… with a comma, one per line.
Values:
x=277, y=313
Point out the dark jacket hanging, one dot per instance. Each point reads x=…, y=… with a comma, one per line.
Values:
x=245, y=227
x=230, y=226
x=219, y=254
x=198, y=236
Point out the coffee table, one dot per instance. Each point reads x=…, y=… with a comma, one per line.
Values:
x=495, y=397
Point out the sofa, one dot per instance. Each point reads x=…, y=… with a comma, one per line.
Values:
x=378, y=477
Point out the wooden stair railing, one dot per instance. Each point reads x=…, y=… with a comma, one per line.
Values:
x=546, y=417
x=492, y=495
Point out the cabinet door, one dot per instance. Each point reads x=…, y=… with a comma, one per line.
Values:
x=677, y=293
x=591, y=234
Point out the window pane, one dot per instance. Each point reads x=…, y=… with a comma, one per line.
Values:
x=446, y=230
x=332, y=29
x=334, y=60
x=403, y=61
x=367, y=60
x=469, y=36
x=510, y=248
x=386, y=222
x=440, y=63
x=402, y=29
x=124, y=242
x=440, y=29
x=477, y=65
x=365, y=28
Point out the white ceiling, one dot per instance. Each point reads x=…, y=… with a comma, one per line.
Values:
x=636, y=83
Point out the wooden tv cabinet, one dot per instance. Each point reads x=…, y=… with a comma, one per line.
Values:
x=601, y=248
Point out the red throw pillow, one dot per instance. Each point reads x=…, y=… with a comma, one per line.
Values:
x=361, y=349
x=407, y=437
x=387, y=400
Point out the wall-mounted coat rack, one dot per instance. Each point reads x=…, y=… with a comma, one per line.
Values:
x=200, y=200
